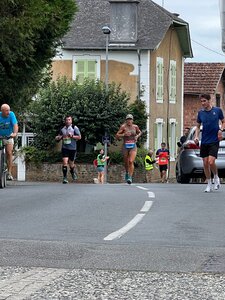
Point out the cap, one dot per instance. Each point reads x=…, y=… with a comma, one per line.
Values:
x=129, y=116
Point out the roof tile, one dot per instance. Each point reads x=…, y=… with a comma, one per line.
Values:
x=202, y=77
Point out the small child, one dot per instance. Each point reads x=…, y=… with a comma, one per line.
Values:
x=101, y=161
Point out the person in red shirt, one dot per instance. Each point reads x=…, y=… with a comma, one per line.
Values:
x=162, y=156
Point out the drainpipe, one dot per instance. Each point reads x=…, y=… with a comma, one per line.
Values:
x=222, y=19
x=139, y=74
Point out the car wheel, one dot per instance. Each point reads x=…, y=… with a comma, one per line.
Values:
x=184, y=178
x=177, y=175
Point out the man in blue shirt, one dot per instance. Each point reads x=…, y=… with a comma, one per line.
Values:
x=8, y=128
x=209, y=117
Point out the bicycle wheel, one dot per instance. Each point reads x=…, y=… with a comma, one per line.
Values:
x=2, y=170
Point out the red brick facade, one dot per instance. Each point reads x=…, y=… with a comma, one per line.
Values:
x=202, y=78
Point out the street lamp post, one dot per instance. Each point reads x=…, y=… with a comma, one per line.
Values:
x=106, y=30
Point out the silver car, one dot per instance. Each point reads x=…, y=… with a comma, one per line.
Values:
x=189, y=163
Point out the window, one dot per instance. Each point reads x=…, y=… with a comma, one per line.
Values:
x=123, y=21
x=159, y=80
x=172, y=138
x=172, y=82
x=158, y=133
x=86, y=67
x=218, y=100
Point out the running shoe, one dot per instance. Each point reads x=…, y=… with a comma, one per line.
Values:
x=208, y=188
x=126, y=176
x=9, y=177
x=129, y=179
x=65, y=180
x=74, y=176
x=216, y=183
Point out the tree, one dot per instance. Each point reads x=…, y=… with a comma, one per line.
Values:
x=30, y=31
x=93, y=110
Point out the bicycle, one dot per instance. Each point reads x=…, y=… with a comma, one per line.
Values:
x=3, y=166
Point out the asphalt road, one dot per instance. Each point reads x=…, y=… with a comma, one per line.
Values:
x=143, y=232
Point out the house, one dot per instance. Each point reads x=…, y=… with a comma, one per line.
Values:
x=147, y=47
x=202, y=78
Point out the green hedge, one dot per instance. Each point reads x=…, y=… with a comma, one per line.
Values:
x=37, y=156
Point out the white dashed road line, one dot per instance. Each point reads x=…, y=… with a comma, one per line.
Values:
x=146, y=207
x=151, y=195
x=117, y=234
x=142, y=188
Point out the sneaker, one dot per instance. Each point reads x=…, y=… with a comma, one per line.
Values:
x=129, y=179
x=126, y=176
x=9, y=177
x=74, y=176
x=208, y=188
x=216, y=183
x=65, y=180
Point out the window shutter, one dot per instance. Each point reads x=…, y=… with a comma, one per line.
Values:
x=91, y=69
x=172, y=82
x=86, y=69
x=155, y=136
x=80, y=70
x=159, y=80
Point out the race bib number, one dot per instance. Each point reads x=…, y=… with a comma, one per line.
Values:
x=67, y=141
x=129, y=145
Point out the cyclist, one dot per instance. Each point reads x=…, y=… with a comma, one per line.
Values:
x=130, y=133
x=8, y=128
x=69, y=135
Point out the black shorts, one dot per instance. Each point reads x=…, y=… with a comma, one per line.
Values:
x=209, y=150
x=71, y=154
x=162, y=168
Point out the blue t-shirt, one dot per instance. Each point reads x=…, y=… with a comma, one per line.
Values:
x=67, y=142
x=210, y=124
x=7, y=124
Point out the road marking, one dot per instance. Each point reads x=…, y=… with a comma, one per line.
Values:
x=142, y=188
x=117, y=234
x=147, y=206
x=151, y=195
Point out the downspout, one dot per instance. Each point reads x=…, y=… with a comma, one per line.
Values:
x=222, y=19
x=139, y=75
x=168, y=100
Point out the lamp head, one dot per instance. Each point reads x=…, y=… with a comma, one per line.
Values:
x=106, y=30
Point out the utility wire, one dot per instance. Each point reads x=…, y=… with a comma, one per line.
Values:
x=208, y=48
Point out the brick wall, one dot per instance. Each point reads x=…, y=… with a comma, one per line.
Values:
x=191, y=107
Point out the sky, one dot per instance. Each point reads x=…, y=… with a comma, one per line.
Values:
x=203, y=17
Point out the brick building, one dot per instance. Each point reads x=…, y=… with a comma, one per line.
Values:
x=202, y=78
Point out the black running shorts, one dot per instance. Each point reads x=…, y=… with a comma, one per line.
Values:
x=209, y=150
x=71, y=154
x=162, y=168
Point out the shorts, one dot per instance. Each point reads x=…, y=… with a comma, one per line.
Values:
x=162, y=168
x=209, y=150
x=71, y=154
x=100, y=169
x=8, y=141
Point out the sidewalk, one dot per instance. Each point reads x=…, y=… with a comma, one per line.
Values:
x=17, y=283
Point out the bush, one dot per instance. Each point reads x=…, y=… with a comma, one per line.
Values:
x=37, y=156
x=140, y=158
